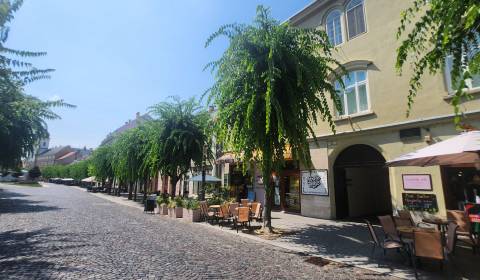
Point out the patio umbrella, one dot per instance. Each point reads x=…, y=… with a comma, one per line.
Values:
x=89, y=179
x=461, y=149
x=208, y=179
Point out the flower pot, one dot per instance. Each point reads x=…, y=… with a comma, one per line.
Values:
x=171, y=212
x=163, y=209
x=195, y=215
x=178, y=212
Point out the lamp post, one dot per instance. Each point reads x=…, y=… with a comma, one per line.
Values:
x=202, y=188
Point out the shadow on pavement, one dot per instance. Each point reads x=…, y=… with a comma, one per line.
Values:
x=351, y=243
x=14, y=202
x=35, y=254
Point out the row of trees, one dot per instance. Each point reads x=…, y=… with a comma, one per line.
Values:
x=77, y=171
x=22, y=117
x=167, y=145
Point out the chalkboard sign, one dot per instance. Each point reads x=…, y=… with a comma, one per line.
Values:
x=420, y=202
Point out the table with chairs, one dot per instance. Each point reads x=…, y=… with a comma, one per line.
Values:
x=432, y=238
x=234, y=213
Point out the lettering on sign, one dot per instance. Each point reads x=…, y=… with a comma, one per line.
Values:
x=315, y=182
x=420, y=202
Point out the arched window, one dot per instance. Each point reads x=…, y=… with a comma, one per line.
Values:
x=334, y=27
x=355, y=18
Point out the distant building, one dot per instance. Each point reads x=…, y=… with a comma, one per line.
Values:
x=62, y=155
x=51, y=156
x=139, y=119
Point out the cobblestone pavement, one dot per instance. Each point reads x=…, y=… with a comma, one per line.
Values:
x=59, y=232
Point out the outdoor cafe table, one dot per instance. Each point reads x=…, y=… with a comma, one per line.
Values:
x=440, y=223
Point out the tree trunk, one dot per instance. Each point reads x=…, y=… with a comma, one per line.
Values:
x=269, y=197
x=144, y=191
x=136, y=191
x=173, y=182
x=130, y=191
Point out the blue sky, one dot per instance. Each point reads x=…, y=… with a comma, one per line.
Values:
x=114, y=58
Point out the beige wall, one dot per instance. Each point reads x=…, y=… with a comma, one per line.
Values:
x=387, y=90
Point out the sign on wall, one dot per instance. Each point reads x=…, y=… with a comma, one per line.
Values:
x=417, y=182
x=315, y=182
x=420, y=202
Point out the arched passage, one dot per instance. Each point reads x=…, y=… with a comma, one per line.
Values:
x=362, y=185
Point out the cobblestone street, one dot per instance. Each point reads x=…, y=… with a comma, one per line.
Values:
x=60, y=232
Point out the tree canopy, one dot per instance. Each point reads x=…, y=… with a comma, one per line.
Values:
x=22, y=117
x=181, y=139
x=436, y=29
x=272, y=85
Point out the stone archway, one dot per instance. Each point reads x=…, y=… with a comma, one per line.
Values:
x=362, y=186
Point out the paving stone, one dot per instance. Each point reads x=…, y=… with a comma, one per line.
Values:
x=60, y=232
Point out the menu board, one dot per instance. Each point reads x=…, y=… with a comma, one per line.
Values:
x=420, y=202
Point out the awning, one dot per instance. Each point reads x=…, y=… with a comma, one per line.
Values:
x=208, y=179
x=89, y=179
x=461, y=149
x=226, y=158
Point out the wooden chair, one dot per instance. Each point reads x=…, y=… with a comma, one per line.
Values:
x=232, y=209
x=451, y=238
x=244, y=202
x=388, y=226
x=242, y=217
x=206, y=215
x=224, y=214
x=256, y=212
x=464, y=231
x=385, y=245
x=427, y=244
x=405, y=215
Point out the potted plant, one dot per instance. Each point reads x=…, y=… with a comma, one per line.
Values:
x=192, y=210
x=179, y=204
x=171, y=207
x=162, y=203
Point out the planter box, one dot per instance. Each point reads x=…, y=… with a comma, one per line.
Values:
x=171, y=212
x=178, y=212
x=192, y=215
x=163, y=209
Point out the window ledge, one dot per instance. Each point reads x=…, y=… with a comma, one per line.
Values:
x=361, y=114
x=468, y=91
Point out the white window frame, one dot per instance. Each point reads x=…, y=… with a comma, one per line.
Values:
x=449, y=80
x=346, y=19
x=342, y=24
x=357, y=99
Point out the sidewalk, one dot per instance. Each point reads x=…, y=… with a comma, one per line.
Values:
x=344, y=242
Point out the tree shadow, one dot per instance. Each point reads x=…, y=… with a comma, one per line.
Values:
x=351, y=243
x=38, y=254
x=14, y=202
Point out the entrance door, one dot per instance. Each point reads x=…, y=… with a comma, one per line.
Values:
x=291, y=185
x=361, y=183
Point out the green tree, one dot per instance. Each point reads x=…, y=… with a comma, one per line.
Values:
x=181, y=138
x=271, y=86
x=100, y=164
x=434, y=30
x=22, y=117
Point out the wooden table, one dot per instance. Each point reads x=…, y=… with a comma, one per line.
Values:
x=441, y=223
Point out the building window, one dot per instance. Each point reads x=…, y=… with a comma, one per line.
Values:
x=355, y=18
x=334, y=27
x=354, y=98
x=473, y=83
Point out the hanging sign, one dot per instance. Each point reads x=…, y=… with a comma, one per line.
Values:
x=315, y=182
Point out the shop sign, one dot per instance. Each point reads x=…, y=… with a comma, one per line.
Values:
x=417, y=182
x=420, y=202
x=315, y=182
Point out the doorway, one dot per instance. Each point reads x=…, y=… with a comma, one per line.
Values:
x=362, y=186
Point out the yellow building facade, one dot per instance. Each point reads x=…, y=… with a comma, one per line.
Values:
x=373, y=127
